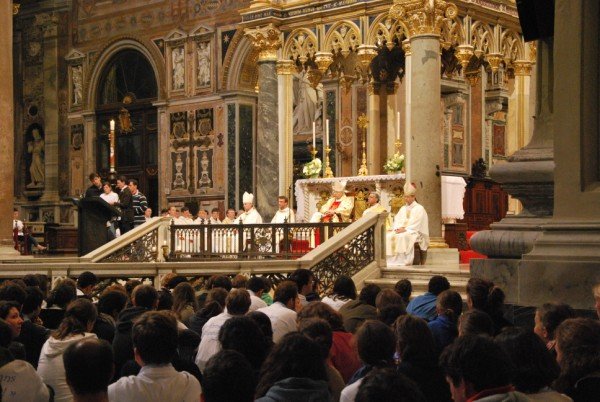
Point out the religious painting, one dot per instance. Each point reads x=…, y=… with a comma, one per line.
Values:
x=498, y=139
x=203, y=64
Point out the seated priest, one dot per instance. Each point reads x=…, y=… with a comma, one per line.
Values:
x=410, y=226
x=339, y=205
x=374, y=207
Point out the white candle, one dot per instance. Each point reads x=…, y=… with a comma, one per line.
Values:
x=326, y=133
x=398, y=126
x=314, y=135
x=112, y=125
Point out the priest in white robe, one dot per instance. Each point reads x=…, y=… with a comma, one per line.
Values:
x=284, y=214
x=336, y=207
x=410, y=226
x=250, y=214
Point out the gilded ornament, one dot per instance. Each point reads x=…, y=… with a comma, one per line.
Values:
x=494, y=60
x=522, y=67
x=423, y=16
x=267, y=40
x=464, y=54
x=366, y=53
x=285, y=67
x=323, y=60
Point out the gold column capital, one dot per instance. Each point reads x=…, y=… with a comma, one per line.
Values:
x=423, y=16
x=285, y=67
x=494, y=60
x=406, y=47
x=522, y=67
x=464, y=54
x=266, y=39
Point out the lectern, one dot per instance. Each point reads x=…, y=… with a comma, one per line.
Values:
x=94, y=212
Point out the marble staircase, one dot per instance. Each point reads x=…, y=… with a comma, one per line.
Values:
x=457, y=274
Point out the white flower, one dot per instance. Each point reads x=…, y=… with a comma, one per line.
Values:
x=312, y=168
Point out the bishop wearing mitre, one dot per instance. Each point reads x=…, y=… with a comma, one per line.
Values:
x=410, y=226
x=339, y=205
x=250, y=214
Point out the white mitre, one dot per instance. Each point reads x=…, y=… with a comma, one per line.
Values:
x=339, y=186
x=410, y=189
x=248, y=198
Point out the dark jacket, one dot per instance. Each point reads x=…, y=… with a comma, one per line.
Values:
x=33, y=337
x=52, y=317
x=586, y=389
x=355, y=312
x=297, y=390
x=93, y=191
x=126, y=204
x=429, y=378
x=122, y=342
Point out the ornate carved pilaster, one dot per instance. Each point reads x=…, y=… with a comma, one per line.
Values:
x=423, y=16
x=267, y=40
x=522, y=68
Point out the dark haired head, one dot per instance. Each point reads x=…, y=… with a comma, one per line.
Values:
x=264, y=323
x=323, y=311
x=376, y=343
x=80, y=316
x=144, y=296
x=414, y=340
x=154, y=337
x=389, y=314
x=319, y=331
x=286, y=291
x=31, y=280
x=485, y=296
x=388, y=297
x=122, y=179
x=385, y=384
x=475, y=322
x=228, y=376
x=183, y=296
x=33, y=301
x=404, y=288
x=86, y=279
x=293, y=356
x=534, y=366
x=369, y=293
x=550, y=316
x=239, y=281
x=112, y=302
x=63, y=293
x=176, y=280
x=218, y=295
x=92, y=176
x=449, y=303
x=88, y=366
x=344, y=287
x=302, y=277
x=256, y=284
x=12, y=291
x=477, y=361
x=130, y=285
x=238, y=302
x=220, y=281
x=243, y=335
x=165, y=300
x=437, y=284
x=133, y=182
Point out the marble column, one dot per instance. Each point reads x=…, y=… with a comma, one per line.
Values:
x=373, y=130
x=267, y=40
x=407, y=106
x=7, y=136
x=285, y=69
x=388, y=143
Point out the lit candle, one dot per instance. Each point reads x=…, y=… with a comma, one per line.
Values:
x=398, y=126
x=112, y=125
x=314, y=135
x=326, y=133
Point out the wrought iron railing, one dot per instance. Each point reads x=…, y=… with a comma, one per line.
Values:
x=253, y=241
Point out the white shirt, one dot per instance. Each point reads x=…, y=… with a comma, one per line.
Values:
x=182, y=220
x=210, y=345
x=255, y=302
x=283, y=216
x=20, y=382
x=156, y=383
x=19, y=225
x=250, y=217
x=335, y=302
x=111, y=197
x=349, y=392
x=283, y=320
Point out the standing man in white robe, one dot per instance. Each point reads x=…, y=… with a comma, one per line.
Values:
x=250, y=214
x=284, y=214
x=410, y=226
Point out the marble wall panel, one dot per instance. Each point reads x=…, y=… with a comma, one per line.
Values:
x=231, y=154
x=245, y=150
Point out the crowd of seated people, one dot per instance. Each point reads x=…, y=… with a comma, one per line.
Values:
x=243, y=339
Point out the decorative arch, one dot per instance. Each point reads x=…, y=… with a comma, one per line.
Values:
x=512, y=46
x=482, y=38
x=105, y=55
x=240, y=71
x=301, y=45
x=385, y=30
x=343, y=37
x=452, y=33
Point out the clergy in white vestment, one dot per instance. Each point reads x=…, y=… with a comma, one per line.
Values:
x=185, y=218
x=284, y=214
x=410, y=226
x=339, y=205
x=376, y=208
x=250, y=214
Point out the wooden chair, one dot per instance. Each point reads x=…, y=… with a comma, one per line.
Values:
x=22, y=245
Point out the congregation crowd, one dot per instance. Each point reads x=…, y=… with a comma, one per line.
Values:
x=241, y=339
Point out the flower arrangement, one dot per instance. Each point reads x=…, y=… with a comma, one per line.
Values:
x=312, y=168
x=394, y=164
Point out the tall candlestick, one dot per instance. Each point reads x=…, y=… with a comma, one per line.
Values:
x=326, y=133
x=314, y=135
x=112, y=125
x=112, y=146
x=398, y=125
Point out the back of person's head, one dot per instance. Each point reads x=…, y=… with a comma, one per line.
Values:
x=80, y=316
x=414, y=340
x=385, y=384
x=578, y=350
x=437, y=284
x=256, y=284
x=264, y=323
x=389, y=314
x=344, y=287
x=375, y=343
x=293, y=356
x=475, y=322
x=450, y=304
x=88, y=366
x=319, y=331
x=130, y=285
x=12, y=291
x=220, y=281
x=243, y=334
x=534, y=366
x=286, y=291
x=165, y=300
x=301, y=277
x=239, y=281
x=388, y=297
x=144, y=296
x=404, y=288
x=43, y=283
x=112, y=302
x=86, y=279
x=238, y=302
x=33, y=301
x=63, y=293
x=31, y=280
x=477, y=361
x=166, y=280
x=184, y=295
x=6, y=334
x=228, y=376
x=369, y=293
x=484, y=295
x=552, y=315
x=324, y=311
x=154, y=337
x=176, y=280
x=218, y=295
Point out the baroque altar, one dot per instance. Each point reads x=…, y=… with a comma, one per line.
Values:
x=311, y=194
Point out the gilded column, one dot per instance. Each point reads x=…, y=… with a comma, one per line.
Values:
x=7, y=192
x=522, y=70
x=285, y=69
x=374, y=129
x=424, y=19
x=267, y=40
